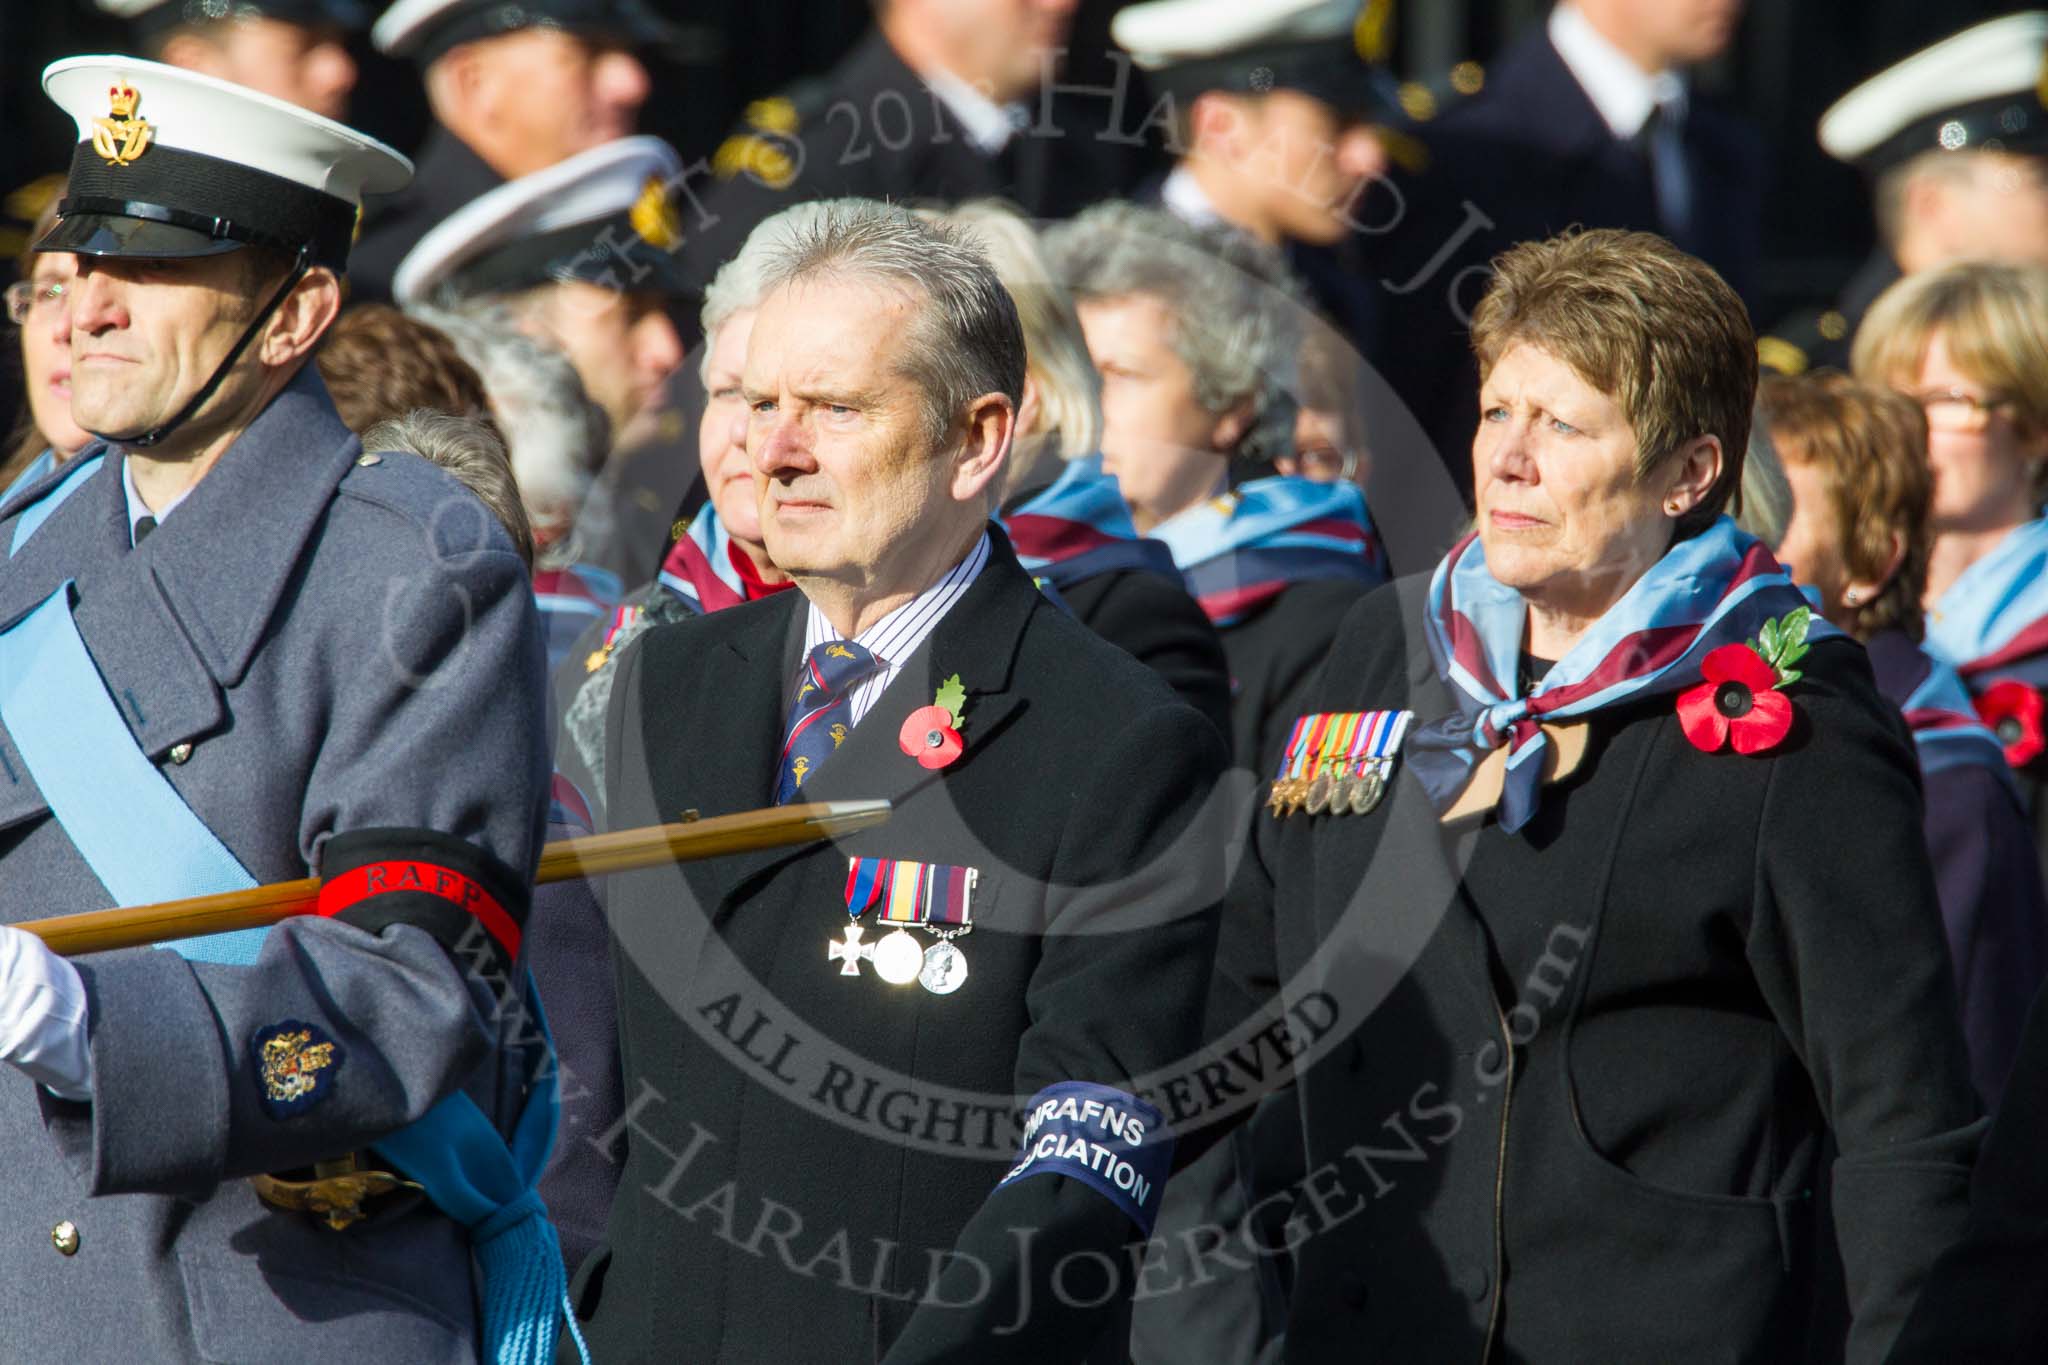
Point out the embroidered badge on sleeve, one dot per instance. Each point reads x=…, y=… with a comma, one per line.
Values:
x=296, y=1064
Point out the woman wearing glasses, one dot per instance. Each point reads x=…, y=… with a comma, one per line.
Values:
x=44, y=434
x=1969, y=343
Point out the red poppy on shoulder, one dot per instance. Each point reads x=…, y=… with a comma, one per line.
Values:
x=2013, y=710
x=1738, y=703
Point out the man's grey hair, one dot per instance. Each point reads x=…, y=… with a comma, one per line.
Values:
x=964, y=340
x=741, y=281
x=469, y=449
x=1236, y=309
x=558, y=437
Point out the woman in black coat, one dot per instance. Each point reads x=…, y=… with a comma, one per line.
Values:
x=1596, y=865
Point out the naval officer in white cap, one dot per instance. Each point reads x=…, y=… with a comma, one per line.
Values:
x=237, y=649
x=515, y=86
x=1954, y=141
x=296, y=50
x=1274, y=109
x=584, y=254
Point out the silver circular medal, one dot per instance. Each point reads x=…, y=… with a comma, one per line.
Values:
x=945, y=967
x=1319, y=794
x=898, y=958
x=1368, y=791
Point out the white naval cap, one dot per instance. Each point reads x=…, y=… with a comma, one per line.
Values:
x=605, y=216
x=1982, y=89
x=173, y=163
x=1161, y=33
x=425, y=29
x=158, y=15
x=1315, y=47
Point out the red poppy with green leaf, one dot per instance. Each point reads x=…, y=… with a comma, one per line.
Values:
x=931, y=734
x=1741, y=701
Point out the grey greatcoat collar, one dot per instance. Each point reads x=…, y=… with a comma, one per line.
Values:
x=173, y=622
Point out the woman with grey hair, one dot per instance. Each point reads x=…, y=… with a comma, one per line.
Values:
x=1063, y=515
x=1196, y=333
x=557, y=438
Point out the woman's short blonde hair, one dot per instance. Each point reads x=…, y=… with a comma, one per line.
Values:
x=1644, y=323
x=1056, y=349
x=1870, y=446
x=1993, y=318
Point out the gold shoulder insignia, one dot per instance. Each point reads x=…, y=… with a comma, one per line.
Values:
x=756, y=155
x=1776, y=353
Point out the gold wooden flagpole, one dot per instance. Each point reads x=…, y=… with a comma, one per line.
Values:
x=99, y=931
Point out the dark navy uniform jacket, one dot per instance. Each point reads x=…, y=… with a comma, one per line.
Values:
x=352, y=654
x=872, y=129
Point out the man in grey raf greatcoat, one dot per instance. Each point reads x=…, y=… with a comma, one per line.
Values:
x=237, y=649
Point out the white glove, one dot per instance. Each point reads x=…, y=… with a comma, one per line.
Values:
x=42, y=1016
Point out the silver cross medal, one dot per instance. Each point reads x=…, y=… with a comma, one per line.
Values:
x=850, y=952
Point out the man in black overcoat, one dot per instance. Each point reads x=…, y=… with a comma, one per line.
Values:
x=938, y=1145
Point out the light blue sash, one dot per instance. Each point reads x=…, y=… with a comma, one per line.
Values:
x=146, y=845
x=39, y=511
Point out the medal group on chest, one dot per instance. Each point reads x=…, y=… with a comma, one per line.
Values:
x=1337, y=762
x=931, y=897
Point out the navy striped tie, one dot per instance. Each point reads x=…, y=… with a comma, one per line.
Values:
x=821, y=715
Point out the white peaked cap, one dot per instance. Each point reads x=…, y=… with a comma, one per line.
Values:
x=228, y=122
x=543, y=216
x=2003, y=57
x=1162, y=32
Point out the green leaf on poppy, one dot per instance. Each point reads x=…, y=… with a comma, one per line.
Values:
x=953, y=696
x=1769, y=638
x=1792, y=631
x=1788, y=677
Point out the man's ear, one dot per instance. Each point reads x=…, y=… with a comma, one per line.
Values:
x=1230, y=428
x=1219, y=123
x=985, y=448
x=302, y=318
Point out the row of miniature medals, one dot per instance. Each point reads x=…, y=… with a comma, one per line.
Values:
x=928, y=896
x=1338, y=762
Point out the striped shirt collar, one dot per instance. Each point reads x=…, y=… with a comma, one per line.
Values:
x=897, y=636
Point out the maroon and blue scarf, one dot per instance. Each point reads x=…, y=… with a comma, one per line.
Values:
x=1992, y=623
x=1240, y=551
x=1947, y=731
x=1079, y=528
x=1717, y=588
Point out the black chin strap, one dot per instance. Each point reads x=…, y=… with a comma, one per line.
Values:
x=220, y=372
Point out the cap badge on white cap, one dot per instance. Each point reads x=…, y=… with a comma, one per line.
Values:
x=120, y=137
x=654, y=218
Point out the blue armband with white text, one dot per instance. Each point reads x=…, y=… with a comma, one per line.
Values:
x=1102, y=1137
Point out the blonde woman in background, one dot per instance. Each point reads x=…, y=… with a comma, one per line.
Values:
x=1969, y=344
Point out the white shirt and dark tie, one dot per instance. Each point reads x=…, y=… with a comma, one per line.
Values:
x=1639, y=107
x=894, y=638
